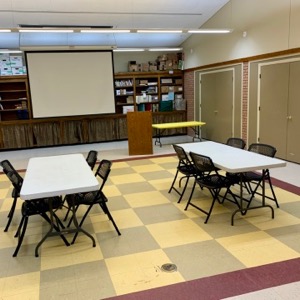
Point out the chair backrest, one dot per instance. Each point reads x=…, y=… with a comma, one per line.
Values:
x=182, y=155
x=236, y=142
x=7, y=166
x=103, y=171
x=91, y=158
x=263, y=149
x=11, y=173
x=202, y=163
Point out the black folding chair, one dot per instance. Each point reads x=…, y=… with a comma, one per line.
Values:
x=186, y=167
x=93, y=198
x=38, y=207
x=257, y=178
x=236, y=142
x=7, y=167
x=208, y=177
x=91, y=158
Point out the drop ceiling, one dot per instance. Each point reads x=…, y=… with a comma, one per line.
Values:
x=117, y=14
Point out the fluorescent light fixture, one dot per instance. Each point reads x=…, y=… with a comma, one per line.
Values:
x=129, y=50
x=47, y=30
x=159, y=31
x=165, y=49
x=105, y=30
x=69, y=48
x=10, y=51
x=5, y=30
x=209, y=30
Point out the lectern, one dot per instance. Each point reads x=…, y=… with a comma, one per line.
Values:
x=139, y=127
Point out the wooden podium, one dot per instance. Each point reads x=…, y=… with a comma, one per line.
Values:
x=139, y=128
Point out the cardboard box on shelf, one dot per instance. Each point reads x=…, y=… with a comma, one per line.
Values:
x=128, y=108
x=133, y=68
x=17, y=70
x=16, y=61
x=6, y=71
x=164, y=89
x=178, y=89
x=162, y=66
x=129, y=99
x=152, y=68
x=144, y=67
x=169, y=64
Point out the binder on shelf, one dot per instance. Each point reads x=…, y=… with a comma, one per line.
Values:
x=166, y=105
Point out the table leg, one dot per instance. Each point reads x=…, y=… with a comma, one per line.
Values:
x=157, y=137
x=77, y=227
x=244, y=211
x=53, y=230
x=196, y=130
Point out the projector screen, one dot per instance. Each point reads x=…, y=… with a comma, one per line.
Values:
x=70, y=83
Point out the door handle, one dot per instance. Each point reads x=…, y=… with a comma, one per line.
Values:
x=289, y=117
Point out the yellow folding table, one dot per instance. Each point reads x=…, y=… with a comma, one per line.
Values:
x=160, y=128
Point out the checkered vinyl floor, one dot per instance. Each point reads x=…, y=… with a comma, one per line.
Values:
x=155, y=230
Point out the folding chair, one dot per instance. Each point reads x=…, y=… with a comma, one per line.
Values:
x=93, y=198
x=185, y=167
x=208, y=177
x=257, y=178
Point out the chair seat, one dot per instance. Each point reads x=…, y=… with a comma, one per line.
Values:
x=252, y=176
x=39, y=206
x=87, y=198
x=214, y=181
x=187, y=169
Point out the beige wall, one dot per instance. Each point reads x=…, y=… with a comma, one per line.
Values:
x=271, y=25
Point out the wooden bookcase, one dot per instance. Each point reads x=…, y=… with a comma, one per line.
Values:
x=14, y=98
x=148, y=91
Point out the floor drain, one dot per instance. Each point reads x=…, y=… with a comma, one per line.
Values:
x=169, y=267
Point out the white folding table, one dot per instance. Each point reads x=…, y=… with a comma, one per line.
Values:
x=56, y=176
x=235, y=160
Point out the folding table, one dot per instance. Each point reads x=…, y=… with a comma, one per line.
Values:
x=56, y=176
x=234, y=160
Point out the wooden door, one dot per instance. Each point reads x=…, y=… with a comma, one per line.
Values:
x=293, y=115
x=216, y=105
x=272, y=106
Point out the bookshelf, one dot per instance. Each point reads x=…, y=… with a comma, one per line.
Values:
x=14, y=104
x=148, y=91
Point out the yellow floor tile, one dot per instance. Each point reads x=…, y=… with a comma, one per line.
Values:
x=145, y=199
x=257, y=248
x=126, y=218
x=140, y=271
x=165, y=159
x=160, y=184
x=147, y=168
x=120, y=165
x=264, y=221
x=54, y=253
x=111, y=190
x=21, y=286
x=176, y=233
x=123, y=179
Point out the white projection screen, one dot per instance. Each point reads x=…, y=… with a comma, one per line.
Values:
x=70, y=83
